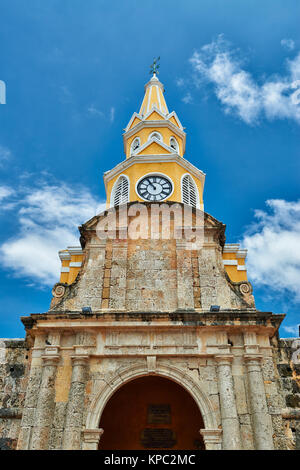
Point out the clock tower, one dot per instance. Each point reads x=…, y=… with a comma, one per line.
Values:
x=155, y=169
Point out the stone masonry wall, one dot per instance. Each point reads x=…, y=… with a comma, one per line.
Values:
x=14, y=356
x=287, y=359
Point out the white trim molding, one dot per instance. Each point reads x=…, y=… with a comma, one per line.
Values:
x=195, y=188
x=230, y=262
x=64, y=269
x=113, y=190
x=172, y=158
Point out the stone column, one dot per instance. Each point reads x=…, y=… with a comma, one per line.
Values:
x=261, y=420
x=75, y=407
x=212, y=438
x=91, y=438
x=45, y=404
x=230, y=421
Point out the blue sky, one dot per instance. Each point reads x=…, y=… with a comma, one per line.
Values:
x=75, y=72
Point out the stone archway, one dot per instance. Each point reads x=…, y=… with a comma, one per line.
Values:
x=211, y=433
x=151, y=413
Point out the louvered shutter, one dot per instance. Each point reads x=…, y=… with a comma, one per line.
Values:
x=121, y=192
x=189, y=195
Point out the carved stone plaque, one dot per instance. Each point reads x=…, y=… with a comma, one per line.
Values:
x=158, y=438
x=159, y=414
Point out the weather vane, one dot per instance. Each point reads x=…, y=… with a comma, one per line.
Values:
x=155, y=66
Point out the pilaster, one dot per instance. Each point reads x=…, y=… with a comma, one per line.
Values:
x=230, y=421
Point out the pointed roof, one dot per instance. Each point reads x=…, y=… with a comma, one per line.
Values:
x=154, y=97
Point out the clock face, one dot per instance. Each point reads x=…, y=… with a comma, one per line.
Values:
x=154, y=188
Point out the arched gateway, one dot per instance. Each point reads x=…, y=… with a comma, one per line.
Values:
x=139, y=409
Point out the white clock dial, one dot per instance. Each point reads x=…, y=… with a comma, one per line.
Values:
x=154, y=188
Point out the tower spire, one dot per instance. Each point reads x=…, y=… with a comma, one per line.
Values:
x=154, y=93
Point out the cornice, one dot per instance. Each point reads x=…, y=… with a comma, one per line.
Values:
x=162, y=123
x=172, y=158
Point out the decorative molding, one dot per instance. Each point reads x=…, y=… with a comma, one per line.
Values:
x=59, y=290
x=172, y=158
x=212, y=438
x=75, y=250
x=50, y=360
x=80, y=360
x=230, y=262
x=75, y=264
x=92, y=435
x=64, y=269
x=124, y=375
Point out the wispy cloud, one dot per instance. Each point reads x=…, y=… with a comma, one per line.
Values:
x=288, y=44
x=5, y=155
x=221, y=66
x=5, y=192
x=93, y=111
x=292, y=330
x=273, y=243
x=187, y=99
x=112, y=114
x=48, y=216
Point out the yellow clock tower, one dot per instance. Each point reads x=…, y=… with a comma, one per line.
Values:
x=155, y=168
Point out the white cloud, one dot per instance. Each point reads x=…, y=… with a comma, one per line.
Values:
x=292, y=329
x=48, y=217
x=288, y=44
x=94, y=111
x=273, y=244
x=112, y=114
x=180, y=82
x=240, y=94
x=5, y=154
x=5, y=192
x=187, y=99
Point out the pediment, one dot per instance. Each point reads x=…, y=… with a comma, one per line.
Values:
x=155, y=116
x=154, y=147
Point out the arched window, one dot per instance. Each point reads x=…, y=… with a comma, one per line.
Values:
x=120, y=191
x=174, y=144
x=156, y=135
x=135, y=145
x=189, y=191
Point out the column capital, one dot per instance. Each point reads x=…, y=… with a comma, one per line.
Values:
x=212, y=438
x=50, y=360
x=224, y=359
x=80, y=360
x=92, y=435
x=91, y=438
x=253, y=358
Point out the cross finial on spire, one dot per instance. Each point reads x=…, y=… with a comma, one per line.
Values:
x=155, y=66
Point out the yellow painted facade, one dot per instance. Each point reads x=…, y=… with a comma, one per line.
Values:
x=144, y=135
x=171, y=169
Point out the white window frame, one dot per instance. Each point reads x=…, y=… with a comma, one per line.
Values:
x=151, y=136
x=114, y=188
x=131, y=145
x=195, y=188
x=177, y=145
